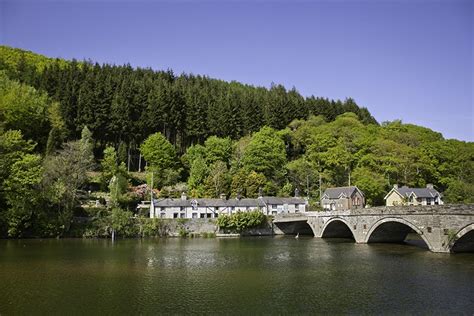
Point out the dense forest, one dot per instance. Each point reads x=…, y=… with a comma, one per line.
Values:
x=122, y=105
x=72, y=132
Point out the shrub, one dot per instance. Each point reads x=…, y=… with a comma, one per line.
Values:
x=241, y=220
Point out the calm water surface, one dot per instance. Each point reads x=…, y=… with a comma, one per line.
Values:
x=230, y=276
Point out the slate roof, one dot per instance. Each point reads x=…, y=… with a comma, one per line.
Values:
x=419, y=192
x=334, y=193
x=259, y=202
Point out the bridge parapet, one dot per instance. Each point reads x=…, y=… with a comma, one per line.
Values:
x=465, y=209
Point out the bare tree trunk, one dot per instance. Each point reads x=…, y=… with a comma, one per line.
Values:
x=128, y=160
x=140, y=162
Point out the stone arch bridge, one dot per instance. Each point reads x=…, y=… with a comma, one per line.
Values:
x=443, y=228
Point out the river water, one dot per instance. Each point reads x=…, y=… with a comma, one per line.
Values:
x=280, y=275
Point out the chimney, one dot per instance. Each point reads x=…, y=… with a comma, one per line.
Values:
x=395, y=186
x=183, y=196
x=429, y=186
x=297, y=192
x=260, y=192
x=223, y=196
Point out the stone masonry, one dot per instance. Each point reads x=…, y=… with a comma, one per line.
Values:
x=440, y=226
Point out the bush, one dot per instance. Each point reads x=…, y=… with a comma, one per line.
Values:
x=183, y=232
x=153, y=227
x=240, y=221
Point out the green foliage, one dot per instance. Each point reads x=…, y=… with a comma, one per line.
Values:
x=183, y=232
x=217, y=182
x=158, y=152
x=265, y=154
x=192, y=154
x=65, y=174
x=241, y=221
x=154, y=227
x=21, y=195
x=459, y=192
x=161, y=158
x=14, y=57
x=117, y=187
x=125, y=105
x=197, y=175
x=182, y=221
x=87, y=145
x=121, y=222
x=12, y=148
x=108, y=166
x=247, y=184
x=286, y=190
x=24, y=108
x=218, y=149
x=303, y=176
x=254, y=183
x=374, y=185
x=173, y=191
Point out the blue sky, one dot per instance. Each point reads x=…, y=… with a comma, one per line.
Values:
x=407, y=59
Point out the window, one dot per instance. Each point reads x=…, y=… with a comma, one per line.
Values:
x=182, y=215
x=203, y=215
x=195, y=215
x=175, y=215
x=181, y=208
x=163, y=215
x=274, y=206
x=428, y=201
x=297, y=208
x=216, y=215
x=209, y=215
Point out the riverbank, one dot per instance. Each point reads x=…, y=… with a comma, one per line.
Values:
x=139, y=227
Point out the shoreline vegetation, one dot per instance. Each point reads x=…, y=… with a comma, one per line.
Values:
x=83, y=140
x=144, y=227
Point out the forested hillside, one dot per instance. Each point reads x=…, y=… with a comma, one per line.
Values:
x=60, y=120
x=122, y=105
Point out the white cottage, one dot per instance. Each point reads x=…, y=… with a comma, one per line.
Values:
x=212, y=208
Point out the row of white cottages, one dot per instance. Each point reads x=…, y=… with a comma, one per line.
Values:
x=212, y=208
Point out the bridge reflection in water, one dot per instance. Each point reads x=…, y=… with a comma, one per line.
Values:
x=442, y=228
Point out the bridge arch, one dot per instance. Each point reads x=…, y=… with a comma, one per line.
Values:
x=393, y=229
x=464, y=240
x=337, y=227
x=301, y=227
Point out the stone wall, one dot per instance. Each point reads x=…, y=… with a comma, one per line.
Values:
x=198, y=226
x=176, y=227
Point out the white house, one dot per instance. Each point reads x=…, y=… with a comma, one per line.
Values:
x=212, y=208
